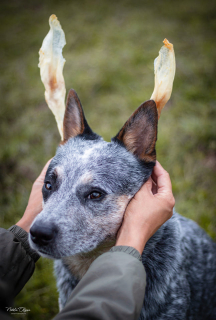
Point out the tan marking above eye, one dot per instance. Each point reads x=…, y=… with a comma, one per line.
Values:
x=86, y=178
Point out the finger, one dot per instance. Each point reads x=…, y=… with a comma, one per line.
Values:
x=144, y=190
x=162, y=178
x=154, y=187
x=147, y=187
x=154, y=183
x=43, y=172
x=154, y=177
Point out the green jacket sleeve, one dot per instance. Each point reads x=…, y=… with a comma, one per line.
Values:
x=17, y=260
x=112, y=288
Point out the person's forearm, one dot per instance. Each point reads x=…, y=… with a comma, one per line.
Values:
x=112, y=288
x=132, y=238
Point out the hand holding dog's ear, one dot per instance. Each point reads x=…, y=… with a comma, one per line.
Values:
x=151, y=207
x=34, y=206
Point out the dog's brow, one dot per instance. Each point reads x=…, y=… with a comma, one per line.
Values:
x=86, y=178
x=59, y=172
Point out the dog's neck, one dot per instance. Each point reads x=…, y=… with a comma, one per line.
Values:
x=80, y=263
x=154, y=250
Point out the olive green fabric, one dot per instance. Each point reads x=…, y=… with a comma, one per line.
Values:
x=130, y=250
x=112, y=288
x=17, y=264
x=22, y=236
x=17, y=259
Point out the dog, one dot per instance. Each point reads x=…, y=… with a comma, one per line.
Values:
x=87, y=187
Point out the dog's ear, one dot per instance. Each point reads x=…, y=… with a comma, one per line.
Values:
x=139, y=134
x=74, y=120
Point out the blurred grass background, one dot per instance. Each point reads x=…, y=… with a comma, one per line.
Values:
x=111, y=46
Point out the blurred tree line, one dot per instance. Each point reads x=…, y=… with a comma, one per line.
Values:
x=111, y=46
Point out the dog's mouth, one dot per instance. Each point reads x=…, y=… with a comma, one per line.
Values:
x=43, y=251
x=45, y=254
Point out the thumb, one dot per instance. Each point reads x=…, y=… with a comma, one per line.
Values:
x=162, y=179
x=148, y=184
x=146, y=189
x=41, y=177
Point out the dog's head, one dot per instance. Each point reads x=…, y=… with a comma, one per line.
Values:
x=89, y=182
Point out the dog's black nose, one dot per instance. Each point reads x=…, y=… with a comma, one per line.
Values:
x=43, y=234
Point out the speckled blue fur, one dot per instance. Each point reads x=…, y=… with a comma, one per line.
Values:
x=180, y=262
x=180, y=259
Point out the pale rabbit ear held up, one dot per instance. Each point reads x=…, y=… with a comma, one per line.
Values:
x=51, y=64
x=164, y=69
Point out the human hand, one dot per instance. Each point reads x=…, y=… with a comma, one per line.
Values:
x=35, y=201
x=147, y=211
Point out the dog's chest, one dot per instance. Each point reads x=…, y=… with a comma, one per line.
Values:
x=80, y=263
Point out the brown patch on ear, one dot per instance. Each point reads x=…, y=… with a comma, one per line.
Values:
x=139, y=134
x=73, y=124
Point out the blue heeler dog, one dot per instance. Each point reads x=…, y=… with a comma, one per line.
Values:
x=87, y=187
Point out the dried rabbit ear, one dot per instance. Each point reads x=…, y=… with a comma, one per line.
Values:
x=51, y=63
x=164, y=69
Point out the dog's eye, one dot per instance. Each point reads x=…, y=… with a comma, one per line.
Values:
x=94, y=195
x=48, y=186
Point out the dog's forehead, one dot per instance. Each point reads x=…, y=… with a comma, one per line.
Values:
x=87, y=160
x=83, y=154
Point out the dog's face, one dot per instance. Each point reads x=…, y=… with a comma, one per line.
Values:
x=89, y=182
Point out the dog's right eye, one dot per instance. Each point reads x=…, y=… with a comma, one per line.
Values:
x=94, y=195
x=48, y=186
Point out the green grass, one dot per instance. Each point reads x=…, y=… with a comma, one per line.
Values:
x=111, y=46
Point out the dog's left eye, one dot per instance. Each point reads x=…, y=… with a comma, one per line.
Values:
x=94, y=195
x=48, y=186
